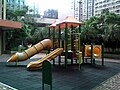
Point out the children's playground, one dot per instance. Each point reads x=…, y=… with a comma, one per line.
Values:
x=68, y=64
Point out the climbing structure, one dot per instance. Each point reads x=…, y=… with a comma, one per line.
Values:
x=70, y=43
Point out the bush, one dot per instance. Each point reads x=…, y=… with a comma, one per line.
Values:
x=14, y=49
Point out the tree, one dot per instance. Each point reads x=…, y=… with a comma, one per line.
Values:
x=106, y=26
x=30, y=34
x=17, y=36
x=39, y=34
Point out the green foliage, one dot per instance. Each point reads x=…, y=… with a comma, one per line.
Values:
x=14, y=37
x=29, y=34
x=39, y=34
x=16, y=14
x=104, y=28
x=14, y=49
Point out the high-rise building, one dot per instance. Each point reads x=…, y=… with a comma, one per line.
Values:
x=76, y=9
x=111, y=5
x=13, y=4
x=88, y=8
x=0, y=9
x=51, y=13
x=83, y=9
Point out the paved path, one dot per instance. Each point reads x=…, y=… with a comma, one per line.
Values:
x=112, y=83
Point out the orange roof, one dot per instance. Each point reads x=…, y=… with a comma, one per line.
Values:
x=70, y=20
x=10, y=24
x=54, y=25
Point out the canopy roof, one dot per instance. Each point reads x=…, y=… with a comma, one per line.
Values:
x=54, y=25
x=10, y=24
x=70, y=20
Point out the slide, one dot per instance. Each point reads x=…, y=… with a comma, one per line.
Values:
x=46, y=43
x=50, y=56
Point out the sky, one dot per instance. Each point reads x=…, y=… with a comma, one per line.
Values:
x=63, y=6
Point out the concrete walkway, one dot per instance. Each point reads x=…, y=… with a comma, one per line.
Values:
x=95, y=77
x=112, y=83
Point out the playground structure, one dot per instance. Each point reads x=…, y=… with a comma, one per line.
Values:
x=34, y=50
x=31, y=51
x=92, y=52
x=71, y=42
x=70, y=46
x=69, y=22
x=50, y=56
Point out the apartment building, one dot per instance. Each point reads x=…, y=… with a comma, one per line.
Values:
x=88, y=8
x=51, y=13
x=0, y=9
x=76, y=9
x=13, y=4
x=111, y=5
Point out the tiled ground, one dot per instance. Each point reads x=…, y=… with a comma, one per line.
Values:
x=112, y=83
x=71, y=78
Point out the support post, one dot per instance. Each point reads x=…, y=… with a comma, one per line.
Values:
x=66, y=45
x=79, y=36
x=0, y=42
x=83, y=52
x=49, y=38
x=59, y=38
x=102, y=54
x=72, y=44
x=91, y=53
x=53, y=43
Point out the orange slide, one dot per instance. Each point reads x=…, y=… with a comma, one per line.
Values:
x=46, y=43
x=50, y=56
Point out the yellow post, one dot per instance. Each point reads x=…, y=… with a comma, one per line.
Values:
x=79, y=59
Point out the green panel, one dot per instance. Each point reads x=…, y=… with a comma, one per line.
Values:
x=47, y=73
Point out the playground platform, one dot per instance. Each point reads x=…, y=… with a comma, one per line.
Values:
x=90, y=77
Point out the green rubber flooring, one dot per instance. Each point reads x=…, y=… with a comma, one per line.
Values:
x=69, y=78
